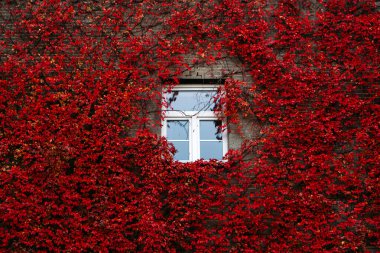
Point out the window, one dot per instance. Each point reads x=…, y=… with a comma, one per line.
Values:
x=191, y=124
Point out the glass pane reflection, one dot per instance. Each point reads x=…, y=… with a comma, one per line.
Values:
x=177, y=129
x=191, y=100
x=211, y=150
x=211, y=130
x=182, y=150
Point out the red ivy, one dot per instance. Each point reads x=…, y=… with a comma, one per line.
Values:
x=81, y=169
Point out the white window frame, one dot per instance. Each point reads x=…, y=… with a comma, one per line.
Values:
x=194, y=118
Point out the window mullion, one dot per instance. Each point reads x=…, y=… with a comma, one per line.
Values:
x=191, y=139
x=195, y=136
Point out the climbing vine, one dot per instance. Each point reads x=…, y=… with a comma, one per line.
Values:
x=83, y=170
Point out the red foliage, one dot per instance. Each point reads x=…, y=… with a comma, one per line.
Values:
x=81, y=171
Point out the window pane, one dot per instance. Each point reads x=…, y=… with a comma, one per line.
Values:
x=191, y=100
x=212, y=150
x=211, y=129
x=177, y=130
x=182, y=150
